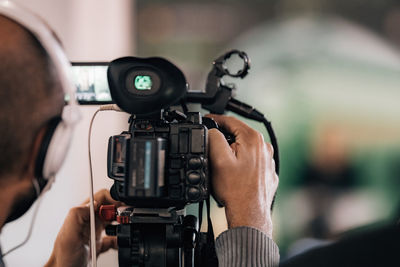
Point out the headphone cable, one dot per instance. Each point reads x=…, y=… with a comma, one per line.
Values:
x=33, y=220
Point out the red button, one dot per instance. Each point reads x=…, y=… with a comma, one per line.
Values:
x=123, y=219
x=108, y=212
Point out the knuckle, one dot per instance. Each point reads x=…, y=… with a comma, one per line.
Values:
x=101, y=195
x=235, y=121
x=260, y=137
x=270, y=148
x=231, y=118
x=103, y=191
x=213, y=134
x=276, y=180
x=75, y=211
x=255, y=136
x=212, y=131
x=276, y=176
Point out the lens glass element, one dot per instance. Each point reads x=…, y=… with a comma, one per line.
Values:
x=143, y=82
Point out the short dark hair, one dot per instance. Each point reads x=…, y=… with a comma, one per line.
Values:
x=30, y=95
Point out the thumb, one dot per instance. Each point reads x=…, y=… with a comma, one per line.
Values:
x=218, y=146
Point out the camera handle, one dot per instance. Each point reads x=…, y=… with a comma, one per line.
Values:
x=219, y=97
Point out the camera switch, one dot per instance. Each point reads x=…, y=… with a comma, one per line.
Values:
x=111, y=230
x=195, y=163
x=175, y=192
x=108, y=212
x=174, y=179
x=194, y=177
x=193, y=193
x=176, y=163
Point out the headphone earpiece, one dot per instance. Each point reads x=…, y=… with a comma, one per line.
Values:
x=41, y=157
x=57, y=149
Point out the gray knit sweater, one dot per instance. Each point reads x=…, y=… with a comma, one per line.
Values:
x=246, y=246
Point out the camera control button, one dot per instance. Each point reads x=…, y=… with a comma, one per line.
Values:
x=183, y=140
x=176, y=163
x=111, y=230
x=193, y=193
x=175, y=192
x=174, y=143
x=194, y=177
x=174, y=177
x=195, y=163
x=108, y=212
x=198, y=141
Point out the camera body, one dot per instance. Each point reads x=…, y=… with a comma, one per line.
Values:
x=162, y=162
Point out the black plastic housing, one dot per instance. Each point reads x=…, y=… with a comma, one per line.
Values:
x=170, y=85
x=160, y=164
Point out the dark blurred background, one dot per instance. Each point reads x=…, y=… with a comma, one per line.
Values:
x=327, y=74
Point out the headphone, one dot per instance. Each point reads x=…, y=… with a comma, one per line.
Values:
x=57, y=139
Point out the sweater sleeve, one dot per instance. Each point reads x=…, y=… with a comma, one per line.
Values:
x=246, y=246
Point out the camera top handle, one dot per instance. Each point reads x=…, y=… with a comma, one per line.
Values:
x=219, y=96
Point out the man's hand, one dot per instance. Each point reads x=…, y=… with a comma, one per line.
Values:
x=71, y=246
x=243, y=174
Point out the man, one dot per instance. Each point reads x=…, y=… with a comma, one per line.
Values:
x=244, y=176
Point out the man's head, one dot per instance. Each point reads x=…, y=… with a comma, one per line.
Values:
x=30, y=97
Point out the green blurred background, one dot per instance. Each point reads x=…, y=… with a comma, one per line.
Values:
x=327, y=74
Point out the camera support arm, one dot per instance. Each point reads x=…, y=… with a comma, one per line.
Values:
x=217, y=93
x=219, y=97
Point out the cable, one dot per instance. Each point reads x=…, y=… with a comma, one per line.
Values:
x=39, y=201
x=92, y=212
x=274, y=143
x=248, y=111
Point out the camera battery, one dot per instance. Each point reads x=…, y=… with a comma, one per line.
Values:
x=145, y=177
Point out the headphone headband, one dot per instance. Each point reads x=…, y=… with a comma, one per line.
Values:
x=45, y=37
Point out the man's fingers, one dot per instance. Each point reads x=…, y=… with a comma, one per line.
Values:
x=219, y=147
x=103, y=197
x=79, y=215
x=270, y=149
x=82, y=213
x=234, y=126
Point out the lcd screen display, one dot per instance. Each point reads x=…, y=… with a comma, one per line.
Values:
x=91, y=83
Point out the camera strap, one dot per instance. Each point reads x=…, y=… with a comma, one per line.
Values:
x=205, y=253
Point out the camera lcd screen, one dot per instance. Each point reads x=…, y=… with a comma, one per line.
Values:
x=91, y=83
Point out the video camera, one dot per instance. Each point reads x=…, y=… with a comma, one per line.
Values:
x=161, y=163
